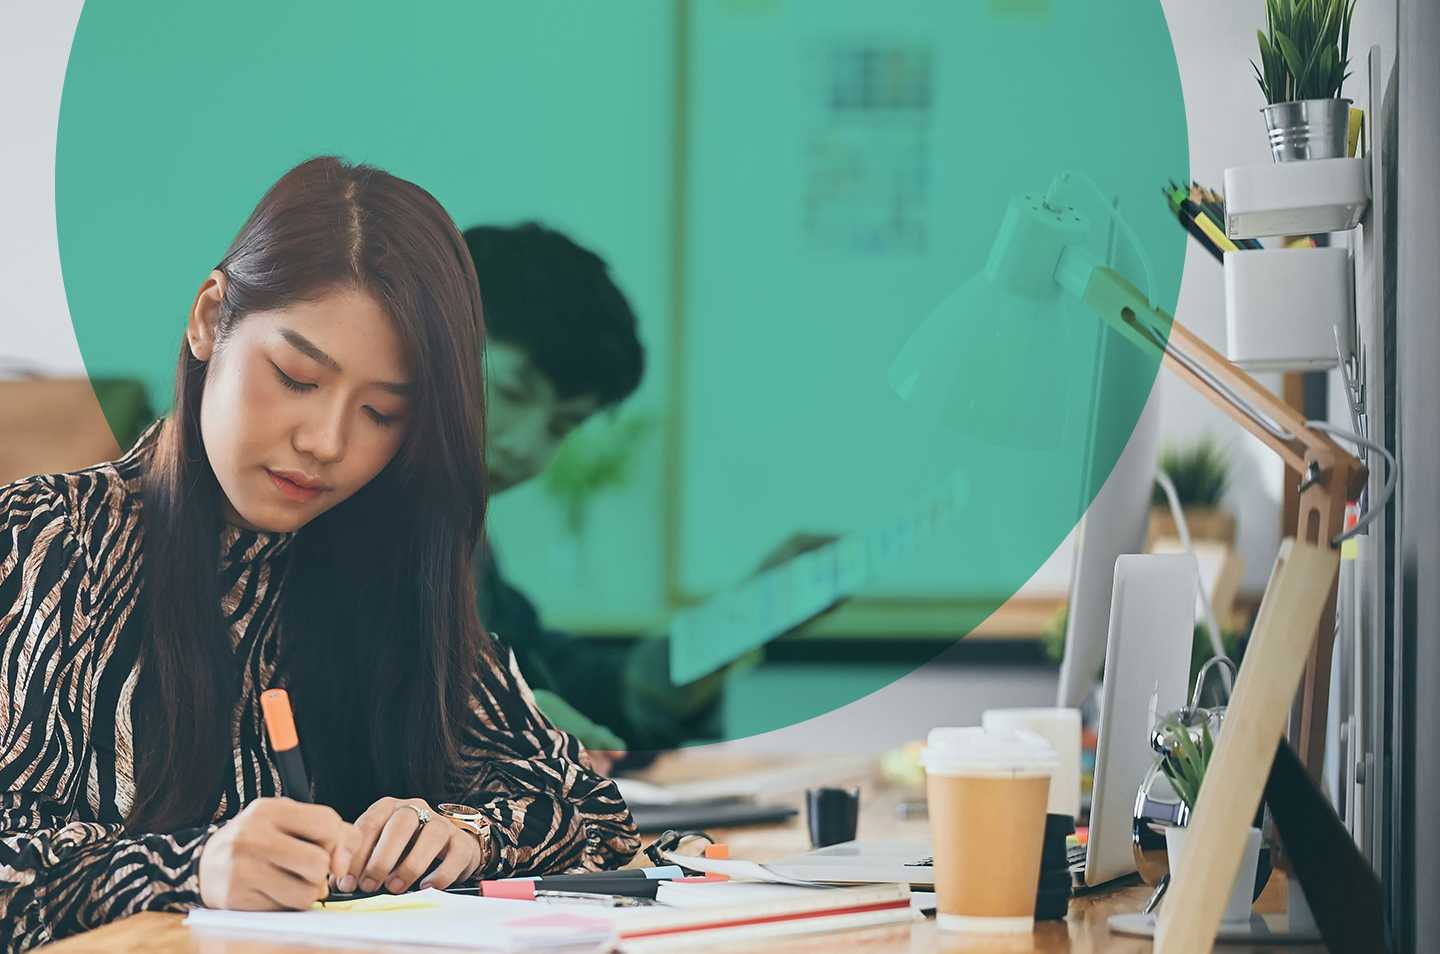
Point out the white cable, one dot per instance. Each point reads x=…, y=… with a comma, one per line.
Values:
x=1392, y=477
x=1348, y=383
x=1217, y=641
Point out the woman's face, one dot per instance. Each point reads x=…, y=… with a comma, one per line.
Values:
x=302, y=406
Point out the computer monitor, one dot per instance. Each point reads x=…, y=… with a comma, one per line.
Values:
x=1147, y=663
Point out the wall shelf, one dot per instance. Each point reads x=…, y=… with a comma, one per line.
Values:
x=1296, y=198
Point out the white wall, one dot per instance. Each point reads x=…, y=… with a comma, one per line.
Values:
x=35, y=327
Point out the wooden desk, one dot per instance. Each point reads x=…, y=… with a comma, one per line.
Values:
x=1083, y=931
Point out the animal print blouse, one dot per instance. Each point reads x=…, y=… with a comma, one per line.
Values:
x=71, y=552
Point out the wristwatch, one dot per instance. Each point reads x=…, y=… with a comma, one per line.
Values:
x=470, y=819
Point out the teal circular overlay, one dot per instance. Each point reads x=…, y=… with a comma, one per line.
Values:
x=786, y=190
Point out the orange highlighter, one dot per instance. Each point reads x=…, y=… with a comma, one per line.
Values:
x=280, y=723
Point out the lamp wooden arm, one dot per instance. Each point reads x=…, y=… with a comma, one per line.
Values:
x=1331, y=475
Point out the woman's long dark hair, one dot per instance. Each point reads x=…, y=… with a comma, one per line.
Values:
x=380, y=638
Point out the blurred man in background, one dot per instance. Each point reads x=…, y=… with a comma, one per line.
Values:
x=562, y=346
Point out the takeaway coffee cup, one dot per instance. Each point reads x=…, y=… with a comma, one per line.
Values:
x=987, y=792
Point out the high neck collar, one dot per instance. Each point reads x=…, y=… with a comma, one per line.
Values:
x=238, y=545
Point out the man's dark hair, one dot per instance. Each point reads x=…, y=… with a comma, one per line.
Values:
x=554, y=299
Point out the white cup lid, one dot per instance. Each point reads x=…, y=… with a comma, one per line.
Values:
x=973, y=749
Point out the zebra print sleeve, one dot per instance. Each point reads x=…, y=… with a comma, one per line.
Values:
x=550, y=812
x=60, y=875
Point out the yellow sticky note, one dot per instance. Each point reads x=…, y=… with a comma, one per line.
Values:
x=1355, y=132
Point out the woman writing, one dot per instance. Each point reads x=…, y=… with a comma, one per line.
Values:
x=304, y=518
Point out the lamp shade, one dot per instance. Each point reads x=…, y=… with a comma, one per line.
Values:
x=992, y=360
x=989, y=363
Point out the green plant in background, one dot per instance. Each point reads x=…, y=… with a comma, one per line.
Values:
x=1052, y=638
x=1200, y=473
x=1304, y=50
x=593, y=458
x=1186, y=759
x=127, y=407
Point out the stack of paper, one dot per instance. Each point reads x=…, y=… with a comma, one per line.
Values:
x=431, y=918
x=734, y=914
x=695, y=917
x=736, y=893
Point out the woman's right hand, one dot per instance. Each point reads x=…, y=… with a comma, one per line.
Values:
x=277, y=854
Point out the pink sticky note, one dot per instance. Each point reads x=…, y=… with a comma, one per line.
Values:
x=513, y=890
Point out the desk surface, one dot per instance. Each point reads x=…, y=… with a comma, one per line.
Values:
x=1083, y=931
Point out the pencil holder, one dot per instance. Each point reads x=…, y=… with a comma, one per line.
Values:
x=1285, y=307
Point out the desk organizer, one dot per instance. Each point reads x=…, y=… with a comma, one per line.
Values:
x=1282, y=307
x=1296, y=198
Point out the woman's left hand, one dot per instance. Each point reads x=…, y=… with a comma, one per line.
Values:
x=395, y=849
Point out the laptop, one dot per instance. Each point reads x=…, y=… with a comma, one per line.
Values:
x=1147, y=667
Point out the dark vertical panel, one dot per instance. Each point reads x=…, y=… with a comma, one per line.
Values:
x=1418, y=354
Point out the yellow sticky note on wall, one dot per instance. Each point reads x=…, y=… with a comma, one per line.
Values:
x=1355, y=134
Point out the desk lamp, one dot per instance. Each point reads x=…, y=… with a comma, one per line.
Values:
x=1039, y=259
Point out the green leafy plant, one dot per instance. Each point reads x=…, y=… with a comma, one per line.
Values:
x=593, y=458
x=1200, y=474
x=1304, y=49
x=1186, y=759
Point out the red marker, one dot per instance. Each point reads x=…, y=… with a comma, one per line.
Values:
x=280, y=723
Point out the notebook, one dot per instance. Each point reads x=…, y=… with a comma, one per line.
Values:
x=680, y=894
x=736, y=913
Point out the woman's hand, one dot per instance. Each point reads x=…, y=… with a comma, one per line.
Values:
x=276, y=854
x=396, y=850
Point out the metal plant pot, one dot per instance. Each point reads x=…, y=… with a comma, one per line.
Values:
x=1308, y=129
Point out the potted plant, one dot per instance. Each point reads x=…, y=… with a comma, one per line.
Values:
x=1304, y=60
x=1188, y=746
x=1201, y=474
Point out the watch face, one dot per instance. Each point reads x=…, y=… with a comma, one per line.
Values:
x=457, y=810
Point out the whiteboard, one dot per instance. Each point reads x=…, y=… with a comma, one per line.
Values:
x=799, y=287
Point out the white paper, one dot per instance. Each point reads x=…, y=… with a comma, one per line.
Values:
x=728, y=893
x=637, y=791
x=736, y=869
x=758, y=784
x=431, y=918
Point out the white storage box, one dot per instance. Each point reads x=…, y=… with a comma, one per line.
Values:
x=1282, y=307
x=1296, y=198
